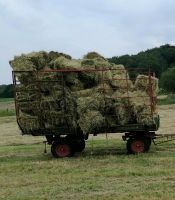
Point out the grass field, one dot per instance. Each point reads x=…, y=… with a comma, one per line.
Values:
x=7, y=107
x=6, y=100
x=103, y=171
x=109, y=173
x=167, y=99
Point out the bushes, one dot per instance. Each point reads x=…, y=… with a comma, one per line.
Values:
x=167, y=80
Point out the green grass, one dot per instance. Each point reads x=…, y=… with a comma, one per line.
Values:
x=170, y=99
x=6, y=99
x=107, y=172
x=6, y=108
x=6, y=113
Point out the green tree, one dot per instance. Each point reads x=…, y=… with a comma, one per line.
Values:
x=6, y=91
x=158, y=59
x=167, y=80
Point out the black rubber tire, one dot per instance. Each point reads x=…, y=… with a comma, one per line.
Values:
x=138, y=145
x=61, y=149
x=149, y=141
x=79, y=145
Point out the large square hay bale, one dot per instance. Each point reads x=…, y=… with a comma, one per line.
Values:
x=88, y=125
x=147, y=83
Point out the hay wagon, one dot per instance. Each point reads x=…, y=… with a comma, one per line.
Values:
x=49, y=101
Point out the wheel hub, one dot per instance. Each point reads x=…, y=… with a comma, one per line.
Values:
x=63, y=150
x=137, y=146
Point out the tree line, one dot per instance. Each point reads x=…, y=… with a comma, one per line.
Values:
x=6, y=91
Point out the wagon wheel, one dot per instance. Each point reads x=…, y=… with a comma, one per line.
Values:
x=61, y=149
x=149, y=141
x=78, y=143
x=138, y=145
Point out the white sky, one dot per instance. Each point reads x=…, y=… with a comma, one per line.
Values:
x=75, y=27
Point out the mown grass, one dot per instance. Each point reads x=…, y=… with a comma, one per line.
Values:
x=102, y=171
x=6, y=113
x=6, y=108
x=6, y=99
x=170, y=99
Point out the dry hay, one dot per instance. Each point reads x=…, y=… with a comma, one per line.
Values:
x=65, y=64
x=56, y=91
x=97, y=71
x=92, y=55
x=22, y=63
x=48, y=103
x=55, y=119
x=94, y=102
x=33, y=63
x=104, y=89
x=71, y=78
x=122, y=108
x=103, y=66
x=123, y=115
x=147, y=83
x=133, y=107
x=119, y=70
x=120, y=78
x=52, y=55
x=39, y=59
x=145, y=117
x=88, y=74
x=100, y=63
x=91, y=89
x=91, y=122
x=83, y=93
x=105, y=76
x=121, y=83
x=101, y=89
x=139, y=98
x=28, y=123
x=26, y=88
x=140, y=103
x=88, y=64
x=29, y=63
x=73, y=82
x=35, y=60
x=46, y=76
x=26, y=96
x=29, y=107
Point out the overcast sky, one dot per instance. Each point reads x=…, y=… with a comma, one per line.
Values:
x=110, y=27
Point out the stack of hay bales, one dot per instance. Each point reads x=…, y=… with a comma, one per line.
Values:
x=88, y=93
